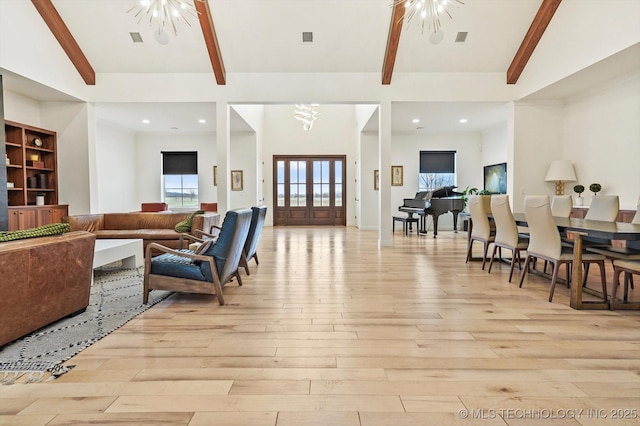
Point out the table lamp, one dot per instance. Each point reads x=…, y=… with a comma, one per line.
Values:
x=560, y=171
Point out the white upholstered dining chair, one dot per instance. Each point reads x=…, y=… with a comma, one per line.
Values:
x=561, y=205
x=604, y=208
x=545, y=243
x=628, y=267
x=506, y=232
x=481, y=229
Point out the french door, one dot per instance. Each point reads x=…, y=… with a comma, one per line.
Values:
x=309, y=190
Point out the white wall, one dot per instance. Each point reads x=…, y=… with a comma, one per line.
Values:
x=71, y=122
x=244, y=158
x=536, y=129
x=149, y=149
x=21, y=109
x=333, y=134
x=117, y=192
x=406, y=152
x=369, y=198
x=601, y=135
x=494, y=144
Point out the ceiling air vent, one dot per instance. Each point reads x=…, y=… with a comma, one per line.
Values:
x=461, y=37
x=307, y=37
x=136, y=37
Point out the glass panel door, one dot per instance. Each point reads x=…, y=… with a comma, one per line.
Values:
x=309, y=190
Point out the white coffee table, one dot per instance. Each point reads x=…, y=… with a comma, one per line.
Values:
x=111, y=250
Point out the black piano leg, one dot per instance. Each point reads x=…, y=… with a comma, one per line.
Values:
x=423, y=224
x=435, y=226
x=455, y=222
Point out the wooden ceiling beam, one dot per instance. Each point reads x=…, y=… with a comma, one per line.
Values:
x=58, y=28
x=531, y=39
x=211, y=40
x=395, y=30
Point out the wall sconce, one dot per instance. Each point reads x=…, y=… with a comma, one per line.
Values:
x=560, y=171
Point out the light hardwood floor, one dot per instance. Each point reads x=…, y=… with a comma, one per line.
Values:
x=332, y=330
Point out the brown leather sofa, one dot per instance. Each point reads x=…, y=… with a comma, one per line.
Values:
x=43, y=280
x=150, y=227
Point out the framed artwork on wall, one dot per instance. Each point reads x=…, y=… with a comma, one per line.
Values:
x=396, y=175
x=236, y=180
x=215, y=175
x=376, y=180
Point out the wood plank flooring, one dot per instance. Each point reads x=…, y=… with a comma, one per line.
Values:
x=330, y=329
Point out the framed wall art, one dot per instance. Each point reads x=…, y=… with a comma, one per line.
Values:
x=236, y=180
x=396, y=176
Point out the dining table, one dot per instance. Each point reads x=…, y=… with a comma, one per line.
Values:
x=580, y=228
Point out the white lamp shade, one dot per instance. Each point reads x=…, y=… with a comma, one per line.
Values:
x=560, y=171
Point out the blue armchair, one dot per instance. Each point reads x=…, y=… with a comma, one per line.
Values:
x=206, y=271
x=255, y=229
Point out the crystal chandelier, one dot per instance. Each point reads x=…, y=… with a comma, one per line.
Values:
x=165, y=14
x=427, y=11
x=307, y=114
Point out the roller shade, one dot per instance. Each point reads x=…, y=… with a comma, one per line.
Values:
x=179, y=163
x=437, y=161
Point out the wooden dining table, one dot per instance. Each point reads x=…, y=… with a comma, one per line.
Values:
x=580, y=228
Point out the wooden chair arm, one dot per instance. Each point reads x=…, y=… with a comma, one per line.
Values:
x=191, y=238
x=163, y=249
x=205, y=234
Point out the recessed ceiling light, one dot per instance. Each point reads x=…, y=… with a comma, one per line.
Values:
x=145, y=121
x=416, y=120
x=463, y=120
x=202, y=121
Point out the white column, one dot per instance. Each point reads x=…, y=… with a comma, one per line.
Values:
x=384, y=225
x=223, y=141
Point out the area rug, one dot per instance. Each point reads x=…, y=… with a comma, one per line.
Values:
x=116, y=298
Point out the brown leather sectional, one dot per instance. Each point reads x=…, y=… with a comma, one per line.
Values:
x=150, y=227
x=43, y=280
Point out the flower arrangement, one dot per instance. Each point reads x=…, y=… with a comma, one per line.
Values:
x=578, y=189
x=595, y=188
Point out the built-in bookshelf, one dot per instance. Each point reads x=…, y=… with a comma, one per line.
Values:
x=32, y=173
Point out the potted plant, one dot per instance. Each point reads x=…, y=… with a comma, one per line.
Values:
x=465, y=195
x=579, y=189
x=595, y=188
x=40, y=199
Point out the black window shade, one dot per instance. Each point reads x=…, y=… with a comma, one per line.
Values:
x=179, y=163
x=437, y=161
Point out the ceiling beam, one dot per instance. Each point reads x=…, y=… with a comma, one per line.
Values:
x=52, y=18
x=395, y=29
x=531, y=39
x=211, y=40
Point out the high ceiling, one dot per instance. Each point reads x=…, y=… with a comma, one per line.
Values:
x=265, y=36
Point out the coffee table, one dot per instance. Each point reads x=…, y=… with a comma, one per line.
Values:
x=111, y=250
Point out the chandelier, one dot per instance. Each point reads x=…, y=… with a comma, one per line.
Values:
x=165, y=14
x=307, y=114
x=427, y=12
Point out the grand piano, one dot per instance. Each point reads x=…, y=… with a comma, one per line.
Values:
x=439, y=201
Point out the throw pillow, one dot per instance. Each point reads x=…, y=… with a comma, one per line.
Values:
x=185, y=225
x=41, y=231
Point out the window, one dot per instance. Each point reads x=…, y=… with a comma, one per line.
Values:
x=180, y=179
x=437, y=169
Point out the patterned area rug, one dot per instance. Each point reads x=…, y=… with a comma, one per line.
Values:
x=116, y=298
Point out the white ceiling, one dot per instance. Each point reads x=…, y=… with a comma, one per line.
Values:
x=265, y=36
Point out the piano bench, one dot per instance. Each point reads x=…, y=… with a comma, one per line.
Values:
x=407, y=223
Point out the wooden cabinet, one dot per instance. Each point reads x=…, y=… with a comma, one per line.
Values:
x=21, y=219
x=31, y=216
x=32, y=170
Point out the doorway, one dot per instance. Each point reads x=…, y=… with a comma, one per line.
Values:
x=309, y=190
